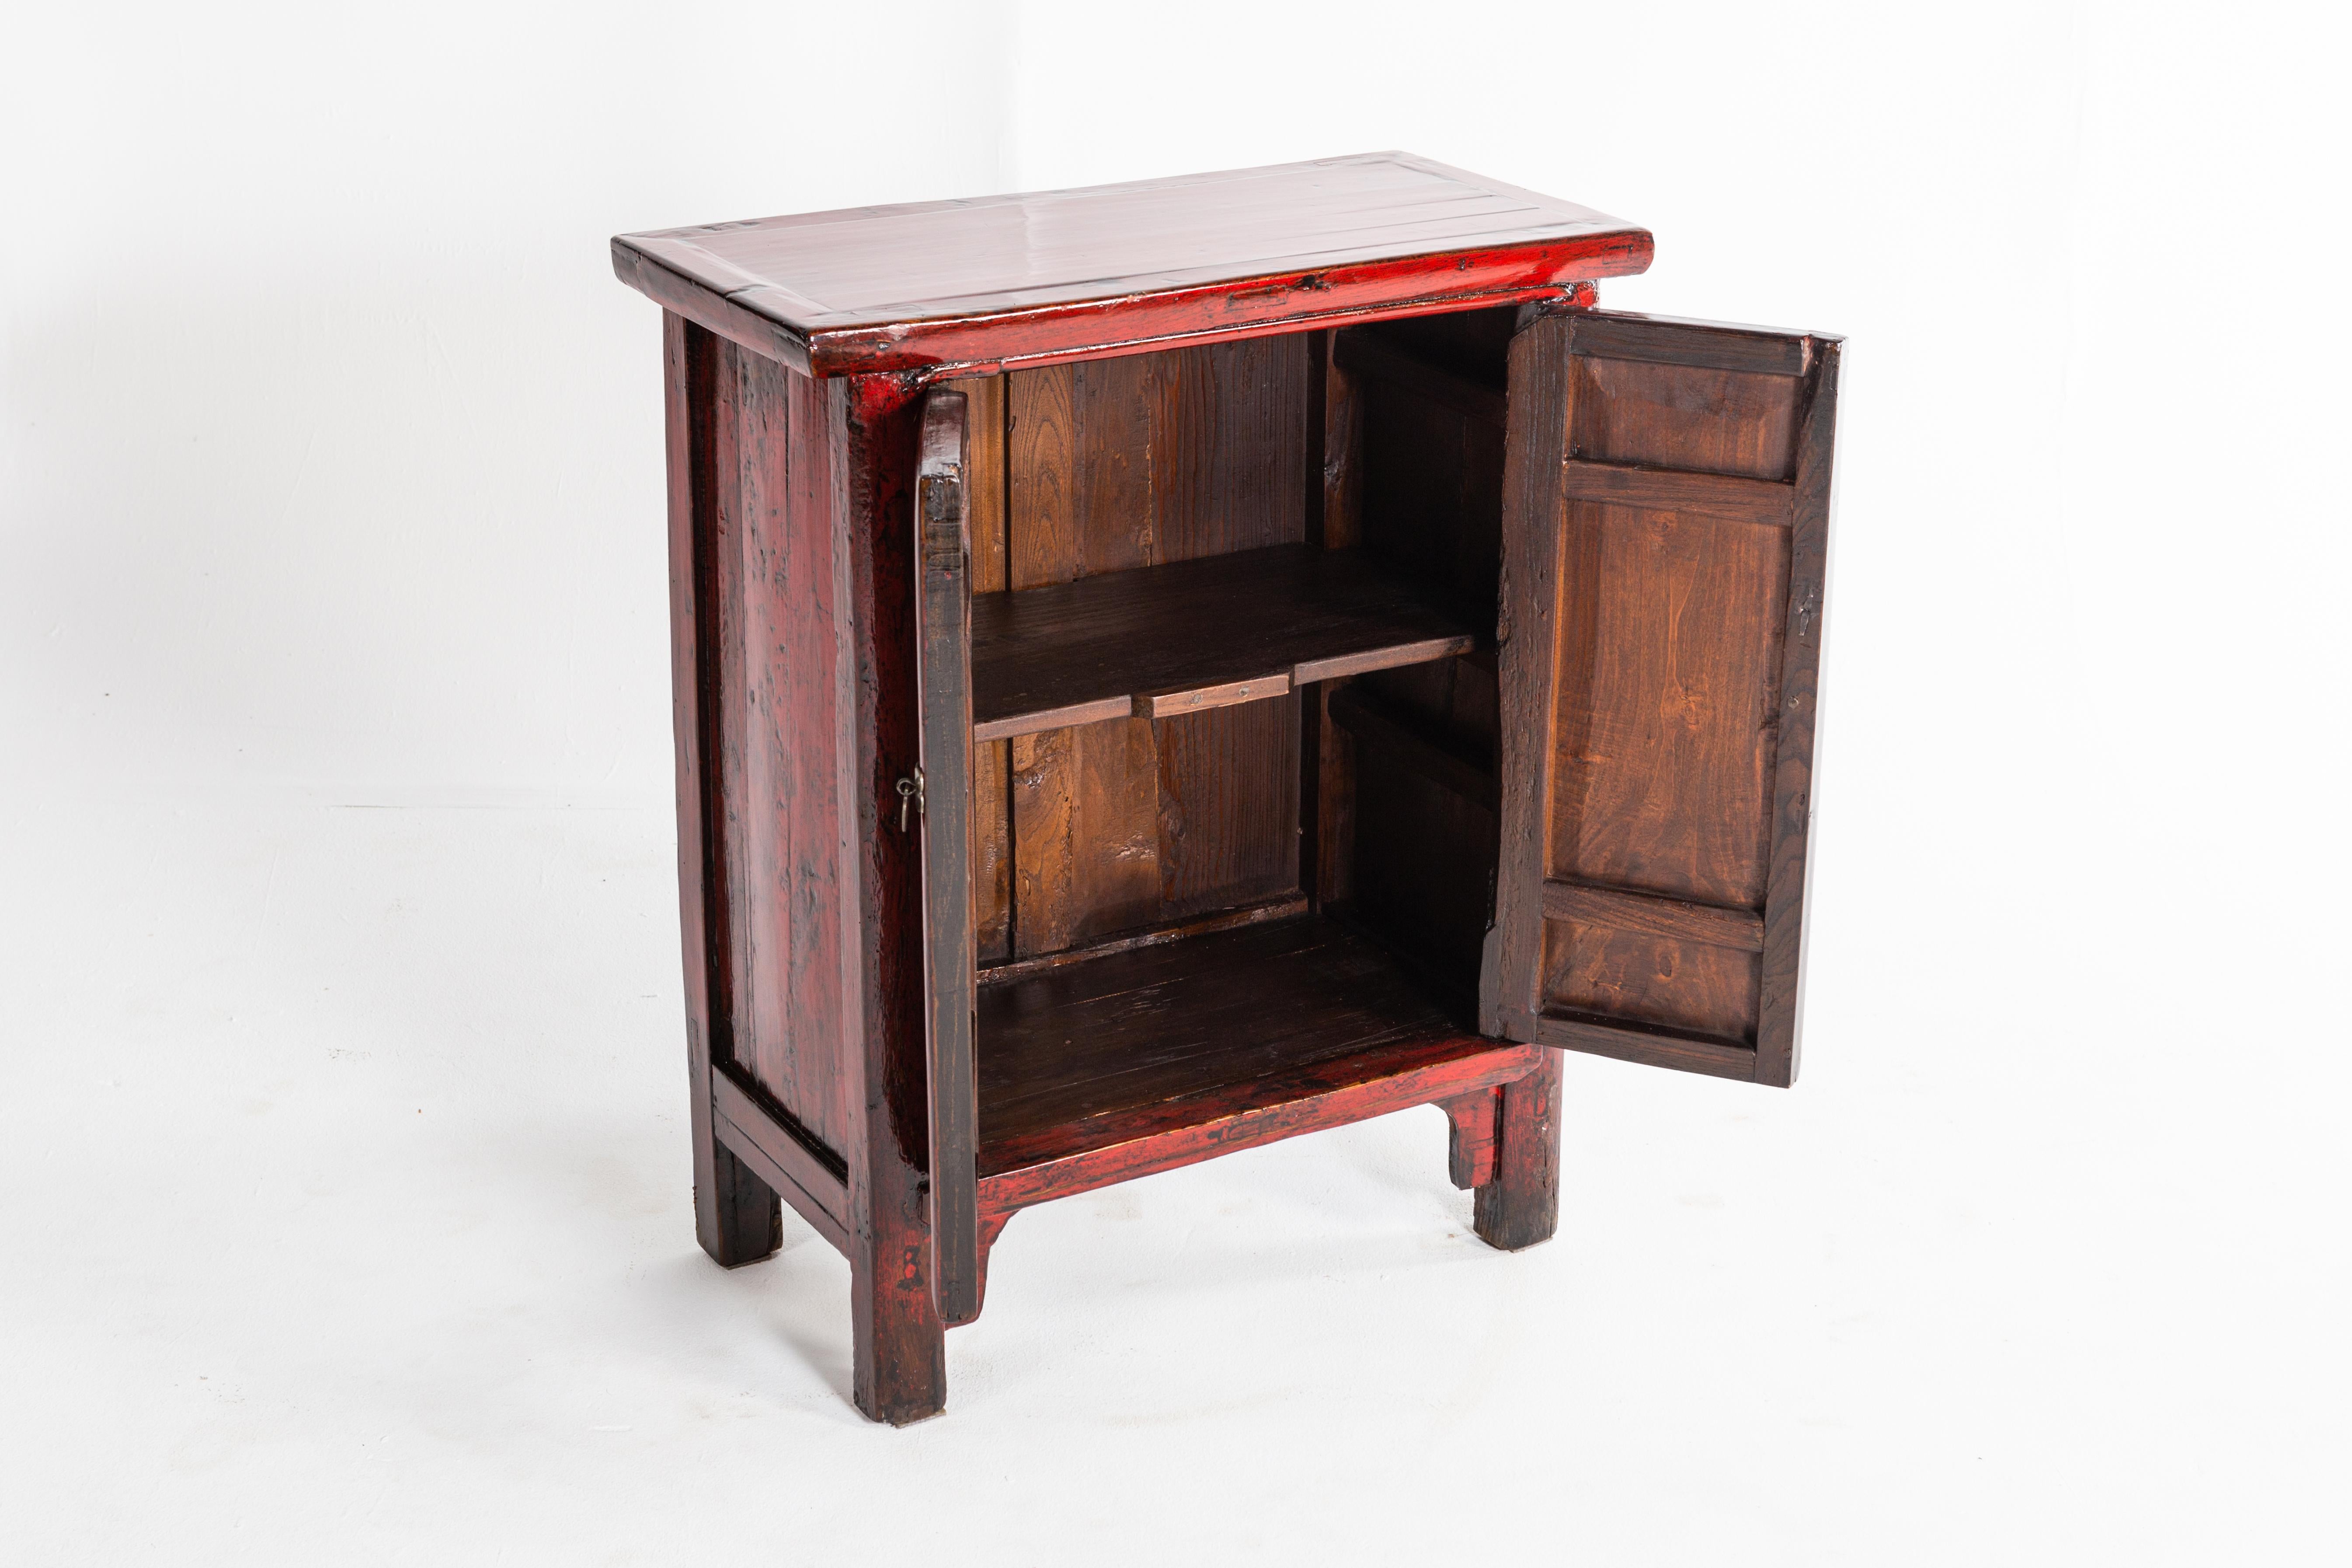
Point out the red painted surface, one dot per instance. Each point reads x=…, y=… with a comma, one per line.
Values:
x=1034, y=278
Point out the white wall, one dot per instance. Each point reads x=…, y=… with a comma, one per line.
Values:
x=332, y=461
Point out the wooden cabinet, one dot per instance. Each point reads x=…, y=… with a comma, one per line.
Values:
x=1168, y=667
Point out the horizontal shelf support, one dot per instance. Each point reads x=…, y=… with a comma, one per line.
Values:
x=1441, y=766
x=1652, y=1044
x=1281, y=909
x=1621, y=909
x=802, y=1172
x=1731, y=496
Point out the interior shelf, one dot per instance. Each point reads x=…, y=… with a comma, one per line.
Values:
x=1221, y=629
x=1156, y=1039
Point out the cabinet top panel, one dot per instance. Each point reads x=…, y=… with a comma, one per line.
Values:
x=1059, y=275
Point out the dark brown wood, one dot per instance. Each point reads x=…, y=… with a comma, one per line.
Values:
x=1433, y=759
x=1471, y=1122
x=1073, y=1057
x=1157, y=639
x=1705, y=345
x=951, y=949
x=1654, y=713
x=1363, y=353
x=1057, y=275
x=1675, y=919
x=992, y=763
x=1520, y=1208
x=1527, y=657
x=1763, y=501
x=1275, y=909
x=1780, y=1005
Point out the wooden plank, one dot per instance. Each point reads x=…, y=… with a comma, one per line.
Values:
x=1194, y=699
x=1369, y=719
x=1328, y=794
x=752, y=1148
x=1340, y=521
x=1091, y=647
x=1727, y=496
x=1227, y=806
x=1780, y=1005
x=1703, y=345
x=1364, y=353
x=1625, y=909
x=1652, y=1045
x=943, y=461
x=1535, y=524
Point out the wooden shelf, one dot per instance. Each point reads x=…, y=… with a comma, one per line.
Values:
x=1158, y=1041
x=1221, y=629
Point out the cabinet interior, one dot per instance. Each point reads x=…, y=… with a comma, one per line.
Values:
x=1235, y=715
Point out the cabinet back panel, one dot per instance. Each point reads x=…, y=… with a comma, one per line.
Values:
x=1108, y=464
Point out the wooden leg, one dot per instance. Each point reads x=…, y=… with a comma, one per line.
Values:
x=898, y=1352
x=1520, y=1207
x=1470, y=1139
x=737, y=1217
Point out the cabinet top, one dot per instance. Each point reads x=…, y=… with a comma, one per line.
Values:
x=1057, y=275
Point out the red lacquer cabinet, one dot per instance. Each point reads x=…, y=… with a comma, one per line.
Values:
x=1162, y=667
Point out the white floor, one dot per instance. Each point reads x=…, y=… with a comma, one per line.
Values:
x=343, y=1206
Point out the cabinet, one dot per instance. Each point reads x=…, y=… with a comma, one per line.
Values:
x=1168, y=667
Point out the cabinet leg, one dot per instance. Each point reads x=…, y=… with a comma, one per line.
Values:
x=900, y=1351
x=1520, y=1207
x=737, y=1217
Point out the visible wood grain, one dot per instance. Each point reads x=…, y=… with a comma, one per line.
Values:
x=943, y=670
x=1782, y=999
x=1666, y=490
x=1527, y=652
x=1228, y=807
x=1263, y=615
x=1668, y=671
x=899, y=1371
x=1652, y=1045
x=1330, y=792
x=1029, y=277
x=1196, y=698
x=1071, y=1056
x=1520, y=1208
x=1085, y=834
x=1339, y=520
x=1647, y=913
x=1471, y=1124
x=1704, y=345
x=737, y=1218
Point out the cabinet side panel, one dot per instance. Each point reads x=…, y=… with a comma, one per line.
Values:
x=784, y=807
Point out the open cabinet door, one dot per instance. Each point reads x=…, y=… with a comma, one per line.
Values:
x=1666, y=514
x=943, y=789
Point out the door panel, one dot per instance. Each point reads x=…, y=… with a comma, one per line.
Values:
x=944, y=788
x=1665, y=531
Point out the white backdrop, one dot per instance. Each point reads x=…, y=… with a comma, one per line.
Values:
x=331, y=480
